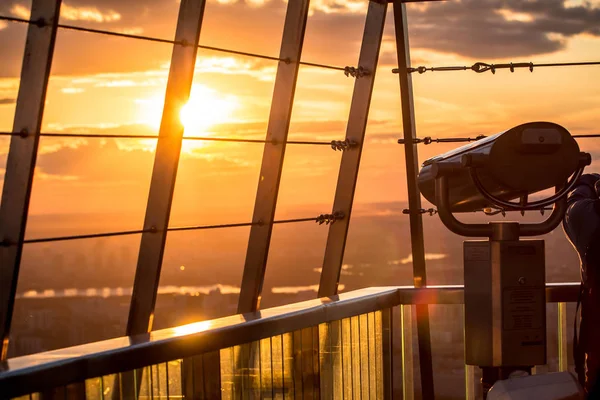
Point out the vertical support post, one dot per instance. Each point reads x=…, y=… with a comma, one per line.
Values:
x=408, y=372
x=20, y=165
x=355, y=132
x=563, y=361
x=166, y=161
x=388, y=353
x=414, y=196
x=273, y=155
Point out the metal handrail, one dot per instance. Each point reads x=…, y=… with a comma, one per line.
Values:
x=43, y=371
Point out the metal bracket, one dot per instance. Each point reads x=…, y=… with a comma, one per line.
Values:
x=343, y=145
x=356, y=72
x=485, y=230
x=429, y=140
x=420, y=211
x=329, y=219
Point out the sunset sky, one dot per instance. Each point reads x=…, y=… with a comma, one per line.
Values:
x=103, y=84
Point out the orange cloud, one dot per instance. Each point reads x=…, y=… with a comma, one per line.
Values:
x=72, y=90
x=39, y=174
x=339, y=6
x=71, y=13
x=510, y=15
x=88, y=14
x=20, y=11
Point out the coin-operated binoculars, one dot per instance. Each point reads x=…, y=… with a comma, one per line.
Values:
x=504, y=276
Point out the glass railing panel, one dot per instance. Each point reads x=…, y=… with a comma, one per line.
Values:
x=33, y=396
x=447, y=350
x=321, y=361
x=343, y=359
x=355, y=356
x=325, y=362
x=316, y=371
x=351, y=358
x=72, y=391
x=242, y=356
x=211, y=377
x=277, y=367
x=563, y=361
x=93, y=389
x=379, y=354
x=288, y=365
x=110, y=387
x=370, y=318
x=335, y=332
x=407, y=360
x=347, y=358
x=307, y=363
x=161, y=387
x=297, y=364
x=145, y=384
x=254, y=370
x=551, y=364
x=129, y=383
x=363, y=344
x=228, y=373
x=559, y=338
x=174, y=381
x=266, y=369
x=188, y=370
x=192, y=377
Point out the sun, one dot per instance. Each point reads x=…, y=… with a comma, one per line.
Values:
x=205, y=109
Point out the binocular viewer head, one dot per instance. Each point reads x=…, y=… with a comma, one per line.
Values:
x=510, y=165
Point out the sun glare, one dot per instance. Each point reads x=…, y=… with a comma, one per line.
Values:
x=192, y=328
x=205, y=109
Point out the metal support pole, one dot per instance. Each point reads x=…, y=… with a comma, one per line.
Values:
x=166, y=161
x=20, y=165
x=273, y=155
x=414, y=196
x=355, y=132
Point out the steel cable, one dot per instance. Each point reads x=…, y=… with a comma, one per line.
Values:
x=480, y=67
x=173, y=42
x=323, y=218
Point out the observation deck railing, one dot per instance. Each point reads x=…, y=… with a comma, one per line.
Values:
x=338, y=347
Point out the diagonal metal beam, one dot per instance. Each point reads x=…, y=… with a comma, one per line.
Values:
x=355, y=132
x=273, y=155
x=20, y=165
x=166, y=161
x=414, y=196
